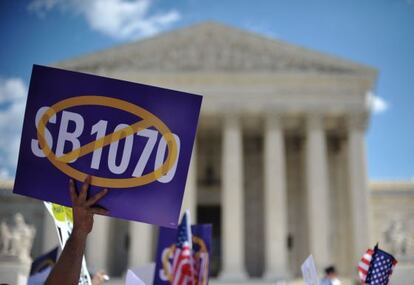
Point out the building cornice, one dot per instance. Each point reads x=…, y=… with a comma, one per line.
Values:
x=6, y=185
x=391, y=188
x=392, y=185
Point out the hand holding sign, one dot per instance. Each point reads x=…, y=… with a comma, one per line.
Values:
x=83, y=208
x=71, y=265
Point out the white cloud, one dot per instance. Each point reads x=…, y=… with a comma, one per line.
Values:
x=376, y=104
x=13, y=93
x=119, y=19
x=11, y=90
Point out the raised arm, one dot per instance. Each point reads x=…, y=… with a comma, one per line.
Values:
x=67, y=269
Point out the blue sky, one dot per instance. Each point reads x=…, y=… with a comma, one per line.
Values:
x=379, y=33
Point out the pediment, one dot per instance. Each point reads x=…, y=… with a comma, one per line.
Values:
x=213, y=47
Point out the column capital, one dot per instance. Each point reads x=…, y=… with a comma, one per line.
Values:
x=231, y=119
x=273, y=120
x=357, y=121
x=314, y=120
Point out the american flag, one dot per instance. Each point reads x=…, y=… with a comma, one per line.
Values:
x=376, y=266
x=183, y=263
x=201, y=268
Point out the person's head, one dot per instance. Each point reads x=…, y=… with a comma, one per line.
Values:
x=330, y=272
x=18, y=219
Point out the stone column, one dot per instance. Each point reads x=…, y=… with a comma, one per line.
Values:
x=50, y=237
x=140, y=251
x=275, y=201
x=233, y=268
x=317, y=190
x=97, y=244
x=190, y=194
x=358, y=185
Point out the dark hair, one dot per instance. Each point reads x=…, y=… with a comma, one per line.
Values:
x=330, y=269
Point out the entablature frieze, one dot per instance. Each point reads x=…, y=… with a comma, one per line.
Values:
x=290, y=123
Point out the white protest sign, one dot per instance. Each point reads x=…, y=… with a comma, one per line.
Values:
x=146, y=272
x=133, y=279
x=39, y=278
x=62, y=216
x=310, y=275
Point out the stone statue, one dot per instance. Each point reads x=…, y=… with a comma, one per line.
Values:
x=16, y=241
x=399, y=239
x=5, y=238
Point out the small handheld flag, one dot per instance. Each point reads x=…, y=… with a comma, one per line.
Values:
x=376, y=266
x=183, y=264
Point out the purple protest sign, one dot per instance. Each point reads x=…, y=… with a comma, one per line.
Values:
x=136, y=140
x=201, y=254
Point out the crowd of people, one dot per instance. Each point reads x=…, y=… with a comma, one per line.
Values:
x=67, y=269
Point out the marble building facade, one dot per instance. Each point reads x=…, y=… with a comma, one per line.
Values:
x=279, y=162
